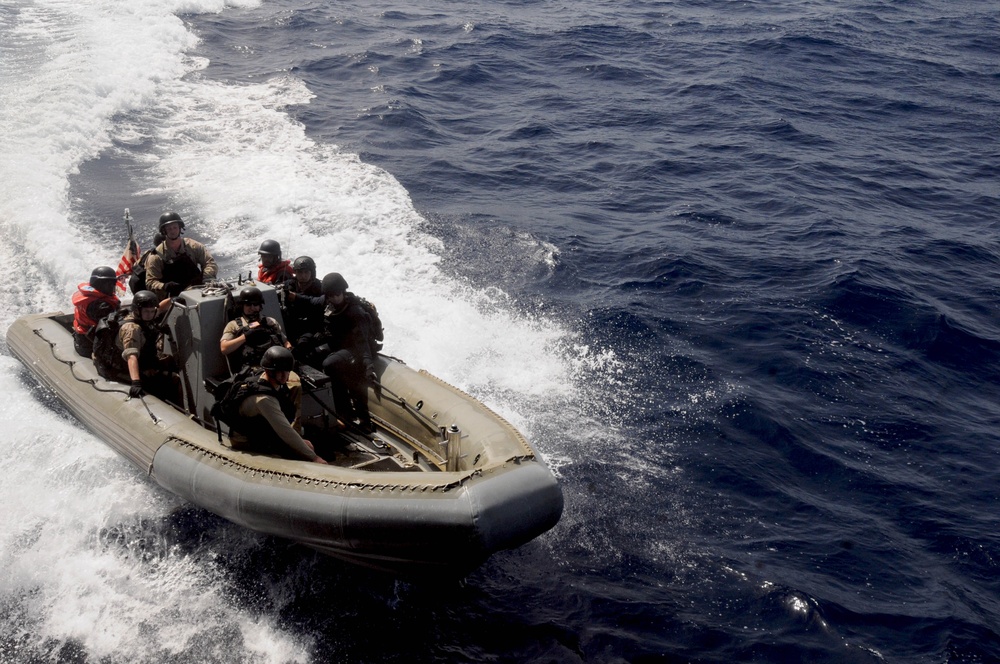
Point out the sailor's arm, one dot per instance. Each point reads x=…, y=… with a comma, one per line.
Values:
x=133, y=367
x=130, y=335
x=209, y=269
x=154, y=275
x=270, y=410
x=232, y=338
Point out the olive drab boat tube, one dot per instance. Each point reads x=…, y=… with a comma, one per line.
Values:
x=443, y=483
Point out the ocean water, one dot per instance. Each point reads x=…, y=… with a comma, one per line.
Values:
x=731, y=266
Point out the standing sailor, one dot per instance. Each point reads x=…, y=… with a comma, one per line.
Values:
x=178, y=262
x=302, y=306
x=346, y=352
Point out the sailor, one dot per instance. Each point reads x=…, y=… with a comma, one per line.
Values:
x=346, y=352
x=142, y=362
x=246, y=337
x=302, y=305
x=265, y=411
x=92, y=302
x=178, y=262
x=272, y=270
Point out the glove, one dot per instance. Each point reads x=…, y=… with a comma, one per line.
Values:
x=173, y=288
x=371, y=375
x=322, y=350
x=136, y=391
x=256, y=335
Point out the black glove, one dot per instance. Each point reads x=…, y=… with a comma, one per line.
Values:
x=136, y=391
x=322, y=350
x=370, y=374
x=256, y=335
x=173, y=288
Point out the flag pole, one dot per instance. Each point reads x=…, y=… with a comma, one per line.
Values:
x=129, y=256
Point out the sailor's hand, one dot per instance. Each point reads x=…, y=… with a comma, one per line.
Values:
x=256, y=334
x=173, y=288
x=371, y=375
x=136, y=391
x=318, y=458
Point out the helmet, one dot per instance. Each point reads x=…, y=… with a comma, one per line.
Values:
x=104, y=279
x=170, y=217
x=334, y=283
x=251, y=295
x=304, y=263
x=143, y=300
x=270, y=248
x=277, y=358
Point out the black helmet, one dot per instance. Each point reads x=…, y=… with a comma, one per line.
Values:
x=251, y=295
x=334, y=283
x=270, y=248
x=277, y=358
x=104, y=279
x=304, y=263
x=158, y=239
x=170, y=217
x=143, y=300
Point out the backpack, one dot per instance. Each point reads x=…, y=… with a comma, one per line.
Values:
x=107, y=355
x=137, y=281
x=378, y=334
x=229, y=394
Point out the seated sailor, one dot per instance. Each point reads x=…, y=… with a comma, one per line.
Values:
x=246, y=337
x=92, y=302
x=130, y=349
x=261, y=410
x=272, y=270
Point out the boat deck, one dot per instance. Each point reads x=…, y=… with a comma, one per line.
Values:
x=350, y=448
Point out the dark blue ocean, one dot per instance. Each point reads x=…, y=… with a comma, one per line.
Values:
x=731, y=266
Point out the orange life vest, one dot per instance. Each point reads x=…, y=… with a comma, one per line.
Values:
x=84, y=296
x=276, y=274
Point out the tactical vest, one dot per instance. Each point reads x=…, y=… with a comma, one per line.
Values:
x=233, y=392
x=181, y=269
x=251, y=355
x=108, y=353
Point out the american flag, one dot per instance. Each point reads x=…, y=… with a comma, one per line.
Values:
x=129, y=257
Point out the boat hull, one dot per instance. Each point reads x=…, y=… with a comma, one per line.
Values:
x=440, y=524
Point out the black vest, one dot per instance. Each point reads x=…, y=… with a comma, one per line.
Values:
x=251, y=355
x=183, y=270
x=251, y=427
